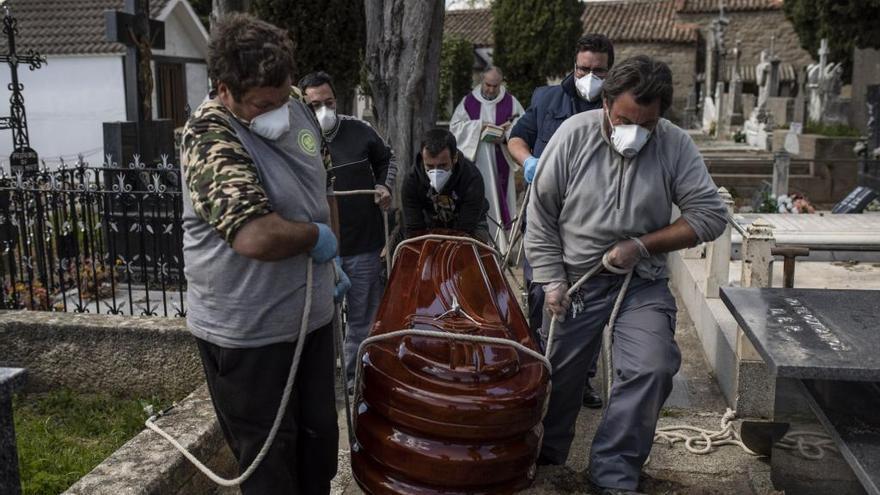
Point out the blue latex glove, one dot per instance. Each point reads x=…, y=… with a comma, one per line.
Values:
x=530, y=166
x=325, y=248
x=343, y=283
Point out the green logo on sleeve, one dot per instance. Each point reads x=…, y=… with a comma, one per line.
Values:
x=307, y=142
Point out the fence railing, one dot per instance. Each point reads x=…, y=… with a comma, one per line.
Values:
x=93, y=239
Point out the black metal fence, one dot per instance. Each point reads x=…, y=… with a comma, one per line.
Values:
x=93, y=239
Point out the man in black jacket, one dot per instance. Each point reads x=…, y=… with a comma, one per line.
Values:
x=444, y=190
x=362, y=160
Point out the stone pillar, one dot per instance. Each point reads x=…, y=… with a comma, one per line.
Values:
x=781, y=166
x=757, y=264
x=11, y=379
x=755, y=385
x=718, y=254
x=720, y=110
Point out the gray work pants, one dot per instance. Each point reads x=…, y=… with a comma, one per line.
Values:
x=645, y=357
x=362, y=302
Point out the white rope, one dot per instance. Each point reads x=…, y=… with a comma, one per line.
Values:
x=454, y=337
x=609, y=327
x=702, y=441
x=279, y=416
x=797, y=440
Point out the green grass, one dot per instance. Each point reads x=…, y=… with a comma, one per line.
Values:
x=832, y=130
x=62, y=435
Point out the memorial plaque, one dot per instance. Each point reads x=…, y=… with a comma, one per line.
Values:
x=24, y=160
x=811, y=333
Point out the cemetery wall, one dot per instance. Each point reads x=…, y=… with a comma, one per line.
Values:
x=681, y=58
x=754, y=30
x=120, y=355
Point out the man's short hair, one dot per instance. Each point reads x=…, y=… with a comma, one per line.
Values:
x=436, y=140
x=246, y=53
x=596, y=43
x=315, y=79
x=648, y=79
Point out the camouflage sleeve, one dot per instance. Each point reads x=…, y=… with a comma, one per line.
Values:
x=221, y=177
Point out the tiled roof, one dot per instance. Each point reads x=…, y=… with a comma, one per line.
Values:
x=474, y=25
x=637, y=21
x=66, y=27
x=700, y=6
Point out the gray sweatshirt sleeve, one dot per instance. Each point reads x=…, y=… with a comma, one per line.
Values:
x=543, y=244
x=696, y=195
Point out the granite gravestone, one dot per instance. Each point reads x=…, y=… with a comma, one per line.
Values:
x=11, y=380
x=823, y=347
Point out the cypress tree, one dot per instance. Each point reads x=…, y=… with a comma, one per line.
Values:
x=534, y=40
x=328, y=35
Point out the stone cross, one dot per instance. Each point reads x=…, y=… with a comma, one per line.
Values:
x=140, y=34
x=824, y=81
x=140, y=135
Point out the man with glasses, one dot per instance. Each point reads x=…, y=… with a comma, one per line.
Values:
x=579, y=92
x=362, y=160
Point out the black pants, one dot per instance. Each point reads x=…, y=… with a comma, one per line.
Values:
x=246, y=387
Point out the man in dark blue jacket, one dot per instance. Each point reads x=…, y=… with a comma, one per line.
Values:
x=550, y=107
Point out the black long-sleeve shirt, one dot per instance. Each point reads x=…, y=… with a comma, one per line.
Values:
x=460, y=205
x=361, y=160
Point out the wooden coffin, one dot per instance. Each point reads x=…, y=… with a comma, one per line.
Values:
x=435, y=415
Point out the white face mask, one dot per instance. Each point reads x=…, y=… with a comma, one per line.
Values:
x=589, y=87
x=438, y=178
x=629, y=139
x=326, y=117
x=271, y=125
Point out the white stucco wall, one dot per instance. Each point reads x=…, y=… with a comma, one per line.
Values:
x=196, y=84
x=67, y=101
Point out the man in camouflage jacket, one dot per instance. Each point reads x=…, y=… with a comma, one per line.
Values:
x=256, y=222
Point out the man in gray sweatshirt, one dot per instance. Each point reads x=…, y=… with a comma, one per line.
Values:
x=606, y=184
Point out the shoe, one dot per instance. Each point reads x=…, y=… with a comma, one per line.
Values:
x=591, y=397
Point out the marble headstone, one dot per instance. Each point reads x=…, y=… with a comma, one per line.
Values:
x=11, y=379
x=825, y=82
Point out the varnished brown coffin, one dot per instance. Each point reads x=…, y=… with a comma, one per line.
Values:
x=436, y=416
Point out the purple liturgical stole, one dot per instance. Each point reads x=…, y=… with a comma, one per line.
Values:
x=503, y=112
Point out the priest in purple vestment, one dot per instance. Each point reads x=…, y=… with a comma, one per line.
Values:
x=481, y=125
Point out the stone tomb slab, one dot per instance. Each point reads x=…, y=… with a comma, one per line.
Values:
x=811, y=333
x=823, y=346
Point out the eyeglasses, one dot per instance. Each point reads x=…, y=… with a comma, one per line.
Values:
x=600, y=72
